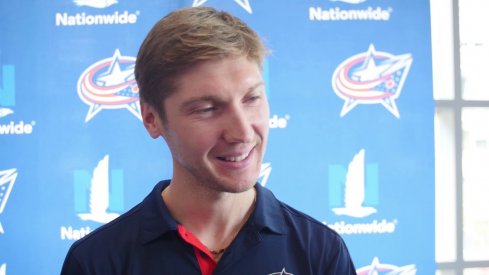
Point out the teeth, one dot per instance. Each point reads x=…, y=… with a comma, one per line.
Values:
x=236, y=158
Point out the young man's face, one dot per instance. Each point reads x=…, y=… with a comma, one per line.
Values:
x=217, y=124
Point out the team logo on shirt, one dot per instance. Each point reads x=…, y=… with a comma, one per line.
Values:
x=245, y=4
x=283, y=272
x=110, y=84
x=7, y=180
x=371, y=77
x=388, y=269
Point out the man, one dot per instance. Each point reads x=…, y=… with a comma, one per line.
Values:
x=201, y=88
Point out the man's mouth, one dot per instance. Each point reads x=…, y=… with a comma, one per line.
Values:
x=235, y=158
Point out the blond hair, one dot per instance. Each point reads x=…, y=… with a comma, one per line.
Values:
x=182, y=39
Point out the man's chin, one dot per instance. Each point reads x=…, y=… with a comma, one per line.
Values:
x=234, y=187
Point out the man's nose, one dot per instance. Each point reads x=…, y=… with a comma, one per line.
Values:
x=238, y=126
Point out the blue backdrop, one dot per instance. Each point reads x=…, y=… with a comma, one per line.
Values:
x=351, y=140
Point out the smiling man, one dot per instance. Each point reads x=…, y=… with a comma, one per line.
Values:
x=202, y=91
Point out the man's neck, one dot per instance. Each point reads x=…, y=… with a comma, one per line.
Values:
x=214, y=218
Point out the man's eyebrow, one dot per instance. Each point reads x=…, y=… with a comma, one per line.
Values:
x=261, y=83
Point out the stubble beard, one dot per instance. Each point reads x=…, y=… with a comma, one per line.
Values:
x=213, y=182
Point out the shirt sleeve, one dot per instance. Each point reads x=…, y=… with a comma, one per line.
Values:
x=341, y=262
x=71, y=265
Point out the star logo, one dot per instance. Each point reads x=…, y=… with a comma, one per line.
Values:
x=372, y=77
x=110, y=84
x=245, y=4
x=283, y=272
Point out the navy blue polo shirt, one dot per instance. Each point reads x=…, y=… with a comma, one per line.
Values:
x=276, y=239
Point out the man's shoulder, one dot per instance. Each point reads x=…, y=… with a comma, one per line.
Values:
x=305, y=223
x=296, y=221
x=119, y=231
x=125, y=229
x=315, y=248
x=109, y=241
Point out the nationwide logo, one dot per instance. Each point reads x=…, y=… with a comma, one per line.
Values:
x=388, y=269
x=7, y=93
x=100, y=191
x=357, y=185
x=266, y=169
x=84, y=19
x=7, y=90
x=371, y=77
x=245, y=4
x=7, y=100
x=354, y=189
x=353, y=182
x=97, y=194
x=350, y=14
x=7, y=180
x=110, y=84
x=5, y=112
x=276, y=122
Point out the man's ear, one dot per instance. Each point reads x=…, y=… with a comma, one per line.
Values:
x=151, y=120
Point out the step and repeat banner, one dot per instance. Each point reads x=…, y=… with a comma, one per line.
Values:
x=351, y=139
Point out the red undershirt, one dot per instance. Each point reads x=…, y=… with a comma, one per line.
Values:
x=206, y=262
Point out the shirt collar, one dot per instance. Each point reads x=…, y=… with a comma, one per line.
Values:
x=268, y=212
x=157, y=220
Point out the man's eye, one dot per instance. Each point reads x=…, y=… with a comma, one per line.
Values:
x=204, y=110
x=253, y=98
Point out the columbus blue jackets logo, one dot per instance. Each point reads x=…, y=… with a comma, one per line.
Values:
x=371, y=77
x=283, y=272
x=245, y=4
x=110, y=84
x=388, y=269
